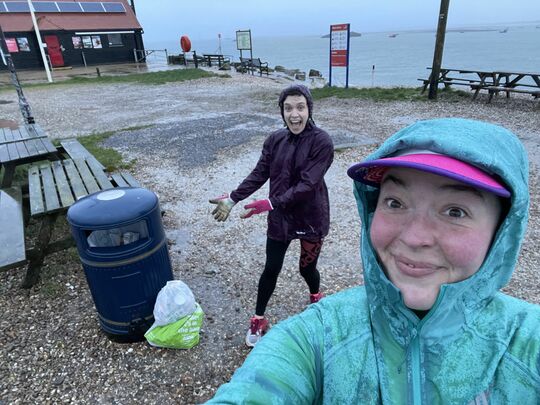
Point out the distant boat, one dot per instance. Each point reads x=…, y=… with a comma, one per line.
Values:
x=504, y=31
x=393, y=35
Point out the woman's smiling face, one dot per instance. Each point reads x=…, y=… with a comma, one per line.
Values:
x=430, y=230
x=296, y=113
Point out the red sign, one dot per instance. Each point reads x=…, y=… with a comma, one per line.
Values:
x=11, y=44
x=339, y=41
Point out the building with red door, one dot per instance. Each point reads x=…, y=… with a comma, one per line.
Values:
x=74, y=33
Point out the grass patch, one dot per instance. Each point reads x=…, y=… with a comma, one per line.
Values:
x=386, y=94
x=110, y=158
x=149, y=78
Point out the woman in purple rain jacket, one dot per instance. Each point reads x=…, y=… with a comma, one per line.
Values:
x=295, y=160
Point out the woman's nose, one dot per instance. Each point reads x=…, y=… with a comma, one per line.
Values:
x=420, y=231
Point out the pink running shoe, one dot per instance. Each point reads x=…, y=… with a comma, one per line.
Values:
x=257, y=329
x=313, y=298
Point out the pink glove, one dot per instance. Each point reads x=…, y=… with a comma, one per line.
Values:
x=257, y=207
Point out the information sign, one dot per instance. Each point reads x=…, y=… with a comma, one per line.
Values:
x=339, y=48
x=243, y=40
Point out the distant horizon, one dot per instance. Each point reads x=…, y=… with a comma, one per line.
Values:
x=492, y=26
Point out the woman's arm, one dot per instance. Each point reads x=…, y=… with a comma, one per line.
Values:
x=258, y=176
x=284, y=367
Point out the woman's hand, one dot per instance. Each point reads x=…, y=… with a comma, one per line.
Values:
x=257, y=207
x=224, y=207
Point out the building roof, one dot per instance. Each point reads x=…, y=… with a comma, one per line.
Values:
x=21, y=22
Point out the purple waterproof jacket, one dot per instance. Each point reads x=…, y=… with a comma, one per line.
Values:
x=295, y=165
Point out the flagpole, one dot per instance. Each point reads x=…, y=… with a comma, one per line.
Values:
x=43, y=56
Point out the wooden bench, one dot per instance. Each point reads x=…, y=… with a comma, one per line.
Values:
x=53, y=188
x=12, y=251
x=75, y=150
x=254, y=64
x=450, y=81
x=493, y=90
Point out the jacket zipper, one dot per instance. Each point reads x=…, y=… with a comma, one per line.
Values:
x=416, y=373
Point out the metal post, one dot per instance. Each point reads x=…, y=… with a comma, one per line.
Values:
x=439, y=48
x=195, y=59
x=23, y=104
x=330, y=59
x=36, y=28
x=348, y=52
x=83, y=58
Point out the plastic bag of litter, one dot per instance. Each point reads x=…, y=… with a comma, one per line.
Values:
x=173, y=302
x=182, y=334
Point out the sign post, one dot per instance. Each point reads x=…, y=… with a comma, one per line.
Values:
x=339, y=49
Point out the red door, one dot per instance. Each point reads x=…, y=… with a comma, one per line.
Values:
x=54, y=50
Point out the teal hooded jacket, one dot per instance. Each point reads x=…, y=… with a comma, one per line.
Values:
x=364, y=346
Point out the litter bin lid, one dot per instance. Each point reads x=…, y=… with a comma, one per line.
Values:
x=112, y=207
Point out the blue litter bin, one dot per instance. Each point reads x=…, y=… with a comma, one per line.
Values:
x=123, y=250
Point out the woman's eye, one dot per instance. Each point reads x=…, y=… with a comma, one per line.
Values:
x=392, y=203
x=455, y=212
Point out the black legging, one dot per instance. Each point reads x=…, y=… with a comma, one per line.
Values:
x=275, y=254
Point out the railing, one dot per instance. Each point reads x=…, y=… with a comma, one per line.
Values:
x=141, y=55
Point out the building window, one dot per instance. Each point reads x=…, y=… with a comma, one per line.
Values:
x=77, y=42
x=87, y=41
x=115, y=40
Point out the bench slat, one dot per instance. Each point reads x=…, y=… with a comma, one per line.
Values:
x=119, y=180
x=86, y=175
x=4, y=153
x=37, y=205
x=125, y=179
x=99, y=174
x=13, y=251
x=77, y=151
x=66, y=197
x=49, y=189
x=75, y=179
x=21, y=148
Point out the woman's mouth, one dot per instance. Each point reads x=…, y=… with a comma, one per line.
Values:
x=414, y=268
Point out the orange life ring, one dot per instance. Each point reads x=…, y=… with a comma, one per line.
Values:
x=185, y=43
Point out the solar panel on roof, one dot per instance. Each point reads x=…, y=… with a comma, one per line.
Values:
x=17, y=6
x=66, y=7
x=114, y=7
x=92, y=7
x=45, y=6
x=3, y=8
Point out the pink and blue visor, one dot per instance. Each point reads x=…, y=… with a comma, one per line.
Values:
x=372, y=172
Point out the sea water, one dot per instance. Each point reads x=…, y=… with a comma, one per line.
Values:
x=387, y=59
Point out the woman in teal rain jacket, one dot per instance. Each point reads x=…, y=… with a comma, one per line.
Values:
x=444, y=207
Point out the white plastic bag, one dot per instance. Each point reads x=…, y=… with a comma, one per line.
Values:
x=174, y=301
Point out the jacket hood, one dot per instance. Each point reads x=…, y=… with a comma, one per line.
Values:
x=493, y=149
x=296, y=90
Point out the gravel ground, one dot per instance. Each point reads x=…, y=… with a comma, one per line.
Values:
x=203, y=138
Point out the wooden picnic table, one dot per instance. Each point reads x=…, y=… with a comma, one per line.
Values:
x=492, y=81
x=53, y=186
x=23, y=145
x=220, y=59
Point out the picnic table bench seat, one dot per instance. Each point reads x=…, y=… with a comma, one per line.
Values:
x=12, y=245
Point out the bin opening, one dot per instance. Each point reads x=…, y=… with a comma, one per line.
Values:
x=119, y=236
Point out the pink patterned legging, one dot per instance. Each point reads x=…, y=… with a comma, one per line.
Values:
x=275, y=254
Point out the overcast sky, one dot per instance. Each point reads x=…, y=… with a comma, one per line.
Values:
x=201, y=19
